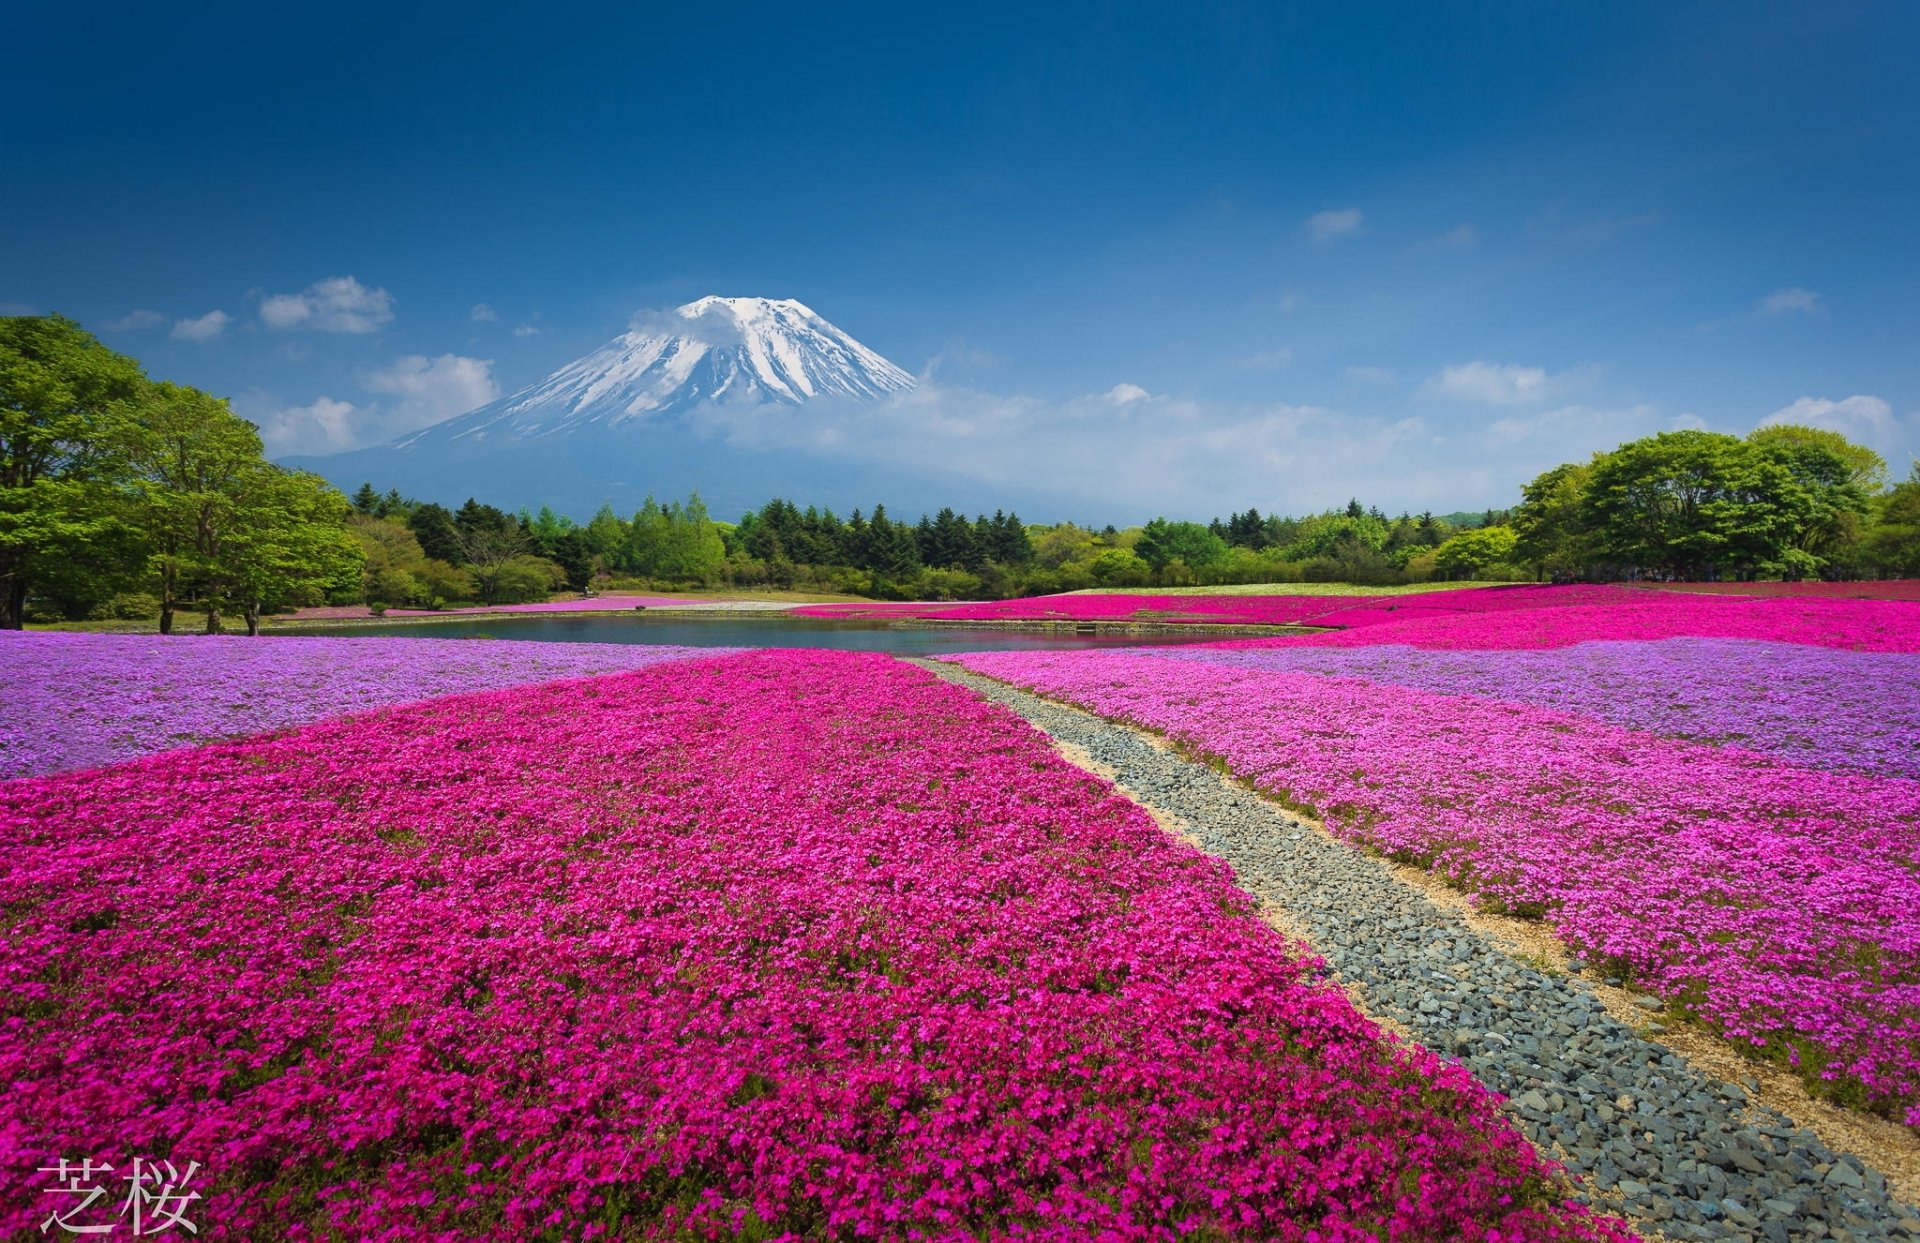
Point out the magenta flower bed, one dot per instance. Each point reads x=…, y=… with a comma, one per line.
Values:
x=1549, y=621
x=1521, y=616
x=1816, y=706
x=797, y=943
x=80, y=700
x=1779, y=903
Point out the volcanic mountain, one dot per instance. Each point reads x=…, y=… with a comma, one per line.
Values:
x=639, y=415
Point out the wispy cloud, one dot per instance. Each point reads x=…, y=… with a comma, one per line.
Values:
x=420, y=392
x=1790, y=301
x=135, y=321
x=206, y=328
x=337, y=304
x=525, y=330
x=1862, y=417
x=1382, y=376
x=1493, y=384
x=1270, y=359
x=482, y=313
x=1126, y=394
x=1459, y=237
x=1323, y=227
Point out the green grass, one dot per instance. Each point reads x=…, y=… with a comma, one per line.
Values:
x=1285, y=589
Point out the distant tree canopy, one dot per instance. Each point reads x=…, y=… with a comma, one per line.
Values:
x=111, y=483
x=1785, y=501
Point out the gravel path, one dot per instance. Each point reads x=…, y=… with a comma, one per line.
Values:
x=1682, y=1154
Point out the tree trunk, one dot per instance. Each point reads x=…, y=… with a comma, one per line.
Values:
x=13, y=603
x=213, y=618
x=166, y=616
x=253, y=618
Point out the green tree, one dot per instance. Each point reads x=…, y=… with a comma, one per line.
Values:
x=1690, y=503
x=1892, y=541
x=1119, y=567
x=1554, y=534
x=289, y=543
x=1162, y=543
x=1469, y=553
x=1864, y=468
x=64, y=401
x=196, y=460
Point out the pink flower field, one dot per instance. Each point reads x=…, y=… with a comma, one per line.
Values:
x=634, y=957
x=1776, y=895
x=1520, y=616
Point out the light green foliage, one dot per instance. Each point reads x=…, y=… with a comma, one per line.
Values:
x=398, y=571
x=1194, y=546
x=1119, y=567
x=1055, y=546
x=1553, y=531
x=64, y=398
x=1468, y=553
x=1863, y=466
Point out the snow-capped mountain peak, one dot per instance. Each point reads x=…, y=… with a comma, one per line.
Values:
x=714, y=349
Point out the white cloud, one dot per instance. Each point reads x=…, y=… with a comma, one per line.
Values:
x=1327, y=225
x=1160, y=453
x=337, y=304
x=422, y=391
x=1575, y=425
x=206, y=328
x=482, y=313
x=1782, y=301
x=1459, y=237
x=1494, y=384
x=326, y=426
x=136, y=321
x=1382, y=376
x=525, y=330
x=1862, y=418
x=430, y=389
x=1269, y=360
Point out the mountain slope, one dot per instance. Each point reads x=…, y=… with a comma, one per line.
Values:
x=631, y=418
x=717, y=350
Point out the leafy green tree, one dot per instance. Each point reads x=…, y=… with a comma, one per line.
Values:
x=1062, y=544
x=1162, y=543
x=289, y=543
x=1692, y=502
x=1554, y=534
x=365, y=499
x=64, y=401
x=1334, y=535
x=196, y=461
x=1864, y=468
x=1470, y=553
x=1119, y=567
x=1892, y=541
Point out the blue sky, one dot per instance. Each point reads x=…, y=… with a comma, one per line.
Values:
x=1244, y=255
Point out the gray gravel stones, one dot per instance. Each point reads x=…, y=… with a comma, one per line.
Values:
x=1678, y=1152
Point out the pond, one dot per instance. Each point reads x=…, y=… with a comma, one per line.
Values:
x=750, y=630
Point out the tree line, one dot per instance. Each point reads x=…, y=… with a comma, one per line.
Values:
x=121, y=494
x=125, y=496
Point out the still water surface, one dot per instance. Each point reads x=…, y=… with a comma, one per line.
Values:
x=749, y=630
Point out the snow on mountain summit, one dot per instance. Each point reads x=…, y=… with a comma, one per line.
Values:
x=714, y=349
